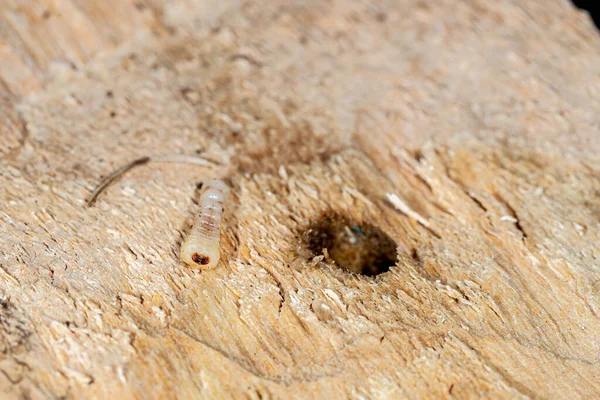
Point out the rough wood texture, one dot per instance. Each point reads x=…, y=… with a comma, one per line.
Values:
x=481, y=117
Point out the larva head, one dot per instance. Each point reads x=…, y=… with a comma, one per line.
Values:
x=204, y=257
x=218, y=185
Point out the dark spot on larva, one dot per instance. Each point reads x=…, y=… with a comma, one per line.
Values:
x=109, y=94
x=46, y=14
x=361, y=248
x=235, y=133
x=113, y=114
x=200, y=259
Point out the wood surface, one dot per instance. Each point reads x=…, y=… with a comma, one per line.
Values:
x=460, y=139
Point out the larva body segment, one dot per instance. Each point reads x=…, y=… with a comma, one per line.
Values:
x=201, y=247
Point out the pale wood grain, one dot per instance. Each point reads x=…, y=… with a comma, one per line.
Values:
x=480, y=117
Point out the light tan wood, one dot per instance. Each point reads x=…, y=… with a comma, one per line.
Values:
x=464, y=136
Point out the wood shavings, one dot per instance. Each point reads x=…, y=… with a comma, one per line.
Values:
x=405, y=209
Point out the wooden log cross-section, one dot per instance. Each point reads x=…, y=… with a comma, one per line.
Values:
x=414, y=207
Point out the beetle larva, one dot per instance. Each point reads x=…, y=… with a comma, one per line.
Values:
x=201, y=247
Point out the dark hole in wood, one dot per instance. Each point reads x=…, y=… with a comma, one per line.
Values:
x=361, y=248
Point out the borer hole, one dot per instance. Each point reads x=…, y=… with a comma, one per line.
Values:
x=358, y=247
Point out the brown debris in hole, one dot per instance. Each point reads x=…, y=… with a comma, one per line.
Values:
x=357, y=247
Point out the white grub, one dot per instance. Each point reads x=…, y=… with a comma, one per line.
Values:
x=201, y=247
